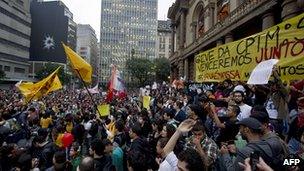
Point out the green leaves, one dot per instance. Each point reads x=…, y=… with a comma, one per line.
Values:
x=147, y=71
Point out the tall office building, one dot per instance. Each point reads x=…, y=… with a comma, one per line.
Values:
x=52, y=23
x=126, y=25
x=15, y=32
x=87, y=46
x=163, y=43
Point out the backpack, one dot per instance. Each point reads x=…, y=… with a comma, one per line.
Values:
x=273, y=160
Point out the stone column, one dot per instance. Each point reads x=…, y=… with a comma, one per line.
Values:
x=268, y=20
x=208, y=19
x=194, y=30
x=229, y=38
x=290, y=9
x=180, y=68
x=212, y=14
x=182, y=29
x=186, y=68
x=172, y=38
x=219, y=42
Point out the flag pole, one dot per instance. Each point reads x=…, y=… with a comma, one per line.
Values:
x=88, y=91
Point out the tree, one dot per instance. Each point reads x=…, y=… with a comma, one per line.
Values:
x=140, y=68
x=162, y=69
x=49, y=68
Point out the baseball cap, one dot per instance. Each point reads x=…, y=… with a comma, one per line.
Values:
x=251, y=123
x=261, y=117
x=239, y=88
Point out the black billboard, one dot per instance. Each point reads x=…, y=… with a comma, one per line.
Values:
x=49, y=29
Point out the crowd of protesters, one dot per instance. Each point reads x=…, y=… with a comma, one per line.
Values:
x=213, y=126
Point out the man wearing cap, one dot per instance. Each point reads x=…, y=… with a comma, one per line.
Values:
x=278, y=146
x=250, y=130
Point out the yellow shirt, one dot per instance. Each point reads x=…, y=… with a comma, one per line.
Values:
x=45, y=122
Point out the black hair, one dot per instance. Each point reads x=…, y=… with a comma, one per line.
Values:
x=106, y=142
x=179, y=104
x=261, y=117
x=193, y=160
x=195, y=109
x=258, y=108
x=228, y=81
x=198, y=126
x=137, y=160
x=25, y=161
x=32, y=109
x=119, y=125
x=238, y=91
x=169, y=112
x=61, y=163
x=98, y=147
x=136, y=128
x=170, y=130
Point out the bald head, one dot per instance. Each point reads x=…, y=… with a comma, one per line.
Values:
x=87, y=164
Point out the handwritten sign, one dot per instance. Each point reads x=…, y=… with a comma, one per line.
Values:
x=236, y=60
x=104, y=110
x=262, y=72
x=146, y=102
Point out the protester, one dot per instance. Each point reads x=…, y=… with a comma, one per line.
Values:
x=219, y=115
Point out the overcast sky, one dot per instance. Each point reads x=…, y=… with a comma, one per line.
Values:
x=88, y=11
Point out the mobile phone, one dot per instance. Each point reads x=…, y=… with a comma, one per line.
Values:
x=254, y=160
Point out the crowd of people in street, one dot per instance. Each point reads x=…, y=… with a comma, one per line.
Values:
x=224, y=126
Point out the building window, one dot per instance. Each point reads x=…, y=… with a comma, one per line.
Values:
x=200, y=23
x=7, y=68
x=19, y=70
x=223, y=10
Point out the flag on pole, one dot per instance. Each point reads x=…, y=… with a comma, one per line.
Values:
x=79, y=64
x=116, y=85
x=93, y=90
x=36, y=91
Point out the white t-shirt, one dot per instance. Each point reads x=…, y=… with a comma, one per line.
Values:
x=245, y=112
x=272, y=111
x=170, y=163
x=87, y=127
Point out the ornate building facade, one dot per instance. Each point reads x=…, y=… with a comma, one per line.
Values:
x=199, y=25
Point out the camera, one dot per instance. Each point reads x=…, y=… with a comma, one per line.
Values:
x=254, y=160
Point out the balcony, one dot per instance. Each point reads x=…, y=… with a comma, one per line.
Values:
x=232, y=21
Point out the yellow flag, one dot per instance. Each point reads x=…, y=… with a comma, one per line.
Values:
x=41, y=88
x=82, y=68
x=146, y=102
x=104, y=110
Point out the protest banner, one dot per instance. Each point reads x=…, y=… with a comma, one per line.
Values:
x=146, y=102
x=104, y=110
x=236, y=60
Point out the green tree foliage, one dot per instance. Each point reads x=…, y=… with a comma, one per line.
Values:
x=147, y=71
x=49, y=68
x=140, y=68
x=162, y=69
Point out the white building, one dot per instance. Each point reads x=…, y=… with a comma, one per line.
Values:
x=87, y=46
x=163, y=43
x=15, y=32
